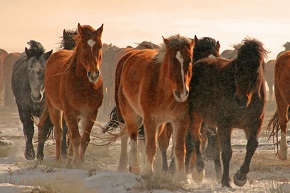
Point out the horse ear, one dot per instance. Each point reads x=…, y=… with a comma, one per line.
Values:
x=195, y=39
x=192, y=43
x=28, y=53
x=99, y=31
x=218, y=44
x=64, y=34
x=80, y=29
x=47, y=54
x=166, y=41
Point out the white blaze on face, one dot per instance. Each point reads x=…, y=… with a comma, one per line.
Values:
x=179, y=57
x=91, y=43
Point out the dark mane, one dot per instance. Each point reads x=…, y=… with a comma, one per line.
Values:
x=67, y=41
x=147, y=45
x=250, y=48
x=204, y=44
x=36, y=49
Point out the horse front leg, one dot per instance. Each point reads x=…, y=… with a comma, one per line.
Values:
x=240, y=178
x=282, y=110
x=28, y=130
x=43, y=133
x=180, y=128
x=196, y=156
x=87, y=124
x=225, y=139
x=75, y=138
x=150, y=126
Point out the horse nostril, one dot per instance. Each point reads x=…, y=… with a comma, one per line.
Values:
x=177, y=94
x=89, y=73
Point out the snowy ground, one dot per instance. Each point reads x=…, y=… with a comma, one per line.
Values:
x=99, y=172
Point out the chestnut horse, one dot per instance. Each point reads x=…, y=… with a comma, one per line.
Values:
x=282, y=93
x=153, y=85
x=230, y=94
x=74, y=89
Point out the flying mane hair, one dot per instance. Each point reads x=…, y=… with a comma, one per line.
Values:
x=174, y=40
x=36, y=49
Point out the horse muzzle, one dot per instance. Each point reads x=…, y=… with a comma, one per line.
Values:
x=38, y=96
x=93, y=76
x=242, y=100
x=180, y=97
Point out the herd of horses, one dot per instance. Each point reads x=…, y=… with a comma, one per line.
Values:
x=184, y=89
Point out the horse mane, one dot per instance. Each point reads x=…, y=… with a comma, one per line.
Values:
x=36, y=49
x=147, y=45
x=250, y=48
x=287, y=45
x=174, y=40
x=205, y=43
x=70, y=33
x=236, y=46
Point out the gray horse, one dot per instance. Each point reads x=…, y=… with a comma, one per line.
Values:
x=28, y=89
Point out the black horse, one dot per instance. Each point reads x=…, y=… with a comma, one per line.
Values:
x=28, y=89
x=230, y=94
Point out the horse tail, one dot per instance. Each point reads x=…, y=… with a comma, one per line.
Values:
x=274, y=127
x=113, y=124
x=43, y=121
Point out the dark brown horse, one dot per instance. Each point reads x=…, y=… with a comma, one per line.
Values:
x=230, y=94
x=74, y=88
x=269, y=77
x=282, y=93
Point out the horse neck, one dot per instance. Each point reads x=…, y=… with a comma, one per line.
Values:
x=76, y=65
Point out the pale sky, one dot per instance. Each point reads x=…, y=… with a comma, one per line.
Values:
x=127, y=22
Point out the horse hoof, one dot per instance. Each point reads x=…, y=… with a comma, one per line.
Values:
x=134, y=170
x=240, y=182
x=29, y=155
x=198, y=176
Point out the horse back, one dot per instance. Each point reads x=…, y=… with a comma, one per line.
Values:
x=282, y=74
x=136, y=72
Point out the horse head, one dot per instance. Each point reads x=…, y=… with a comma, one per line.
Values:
x=205, y=47
x=36, y=61
x=90, y=50
x=249, y=67
x=178, y=58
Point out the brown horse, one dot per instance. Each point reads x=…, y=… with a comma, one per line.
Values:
x=269, y=77
x=231, y=54
x=230, y=94
x=74, y=88
x=153, y=85
x=282, y=93
x=286, y=46
x=3, y=54
x=8, y=63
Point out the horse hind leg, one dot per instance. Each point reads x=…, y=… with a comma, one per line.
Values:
x=283, y=119
x=123, y=159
